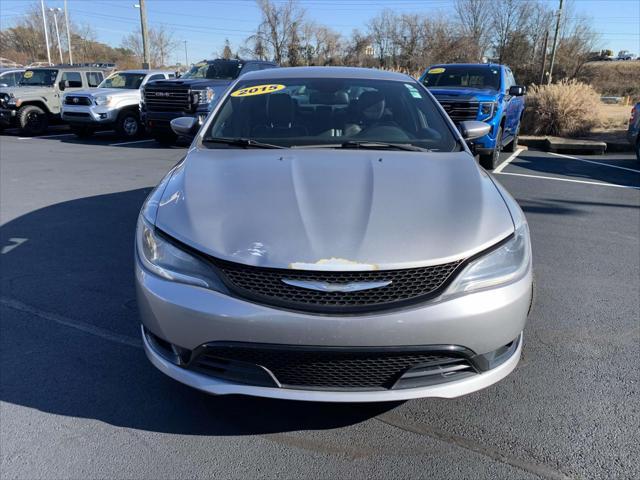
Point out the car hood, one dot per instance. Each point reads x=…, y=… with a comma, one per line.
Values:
x=319, y=209
x=480, y=95
x=120, y=92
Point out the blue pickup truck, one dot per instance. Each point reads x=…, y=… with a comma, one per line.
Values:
x=485, y=92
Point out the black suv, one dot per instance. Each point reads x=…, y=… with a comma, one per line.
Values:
x=192, y=95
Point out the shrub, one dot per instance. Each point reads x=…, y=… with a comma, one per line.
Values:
x=566, y=108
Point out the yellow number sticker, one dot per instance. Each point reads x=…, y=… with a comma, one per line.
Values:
x=257, y=90
x=436, y=70
x=28, y=74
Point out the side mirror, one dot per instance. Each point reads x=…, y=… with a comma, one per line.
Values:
x=472, y=129
x=186, y=126
x=63, y=84
x=517, y=91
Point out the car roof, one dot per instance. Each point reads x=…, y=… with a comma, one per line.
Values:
x=66, y=67
x=144, y=72
x=486, y=65
x=326, y=72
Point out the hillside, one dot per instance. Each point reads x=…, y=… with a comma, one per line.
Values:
x=613, y=78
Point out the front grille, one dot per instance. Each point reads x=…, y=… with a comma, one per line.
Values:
x=460, y=111
x=163, y=99
x=265, y=285
x=77, y=100
x=330, y=368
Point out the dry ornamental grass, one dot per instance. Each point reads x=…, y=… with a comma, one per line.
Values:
x=567, y=108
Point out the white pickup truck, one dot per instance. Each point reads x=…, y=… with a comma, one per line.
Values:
x=114, y=105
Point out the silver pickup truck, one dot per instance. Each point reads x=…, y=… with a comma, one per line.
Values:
x=114, y=105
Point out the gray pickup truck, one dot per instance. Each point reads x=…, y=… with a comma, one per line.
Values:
x=114, y=105
x=36, y=101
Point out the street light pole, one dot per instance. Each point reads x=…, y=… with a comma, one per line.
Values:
x=145, y=34
x=555, y=44
x=46, y=31
x=186, y=57
x=66, y=19
x=55, y=12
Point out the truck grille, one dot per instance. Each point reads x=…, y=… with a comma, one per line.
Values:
x=163, y=99
x=266, y=285
x=77, y=100
x=460, y=111
x=335, y=368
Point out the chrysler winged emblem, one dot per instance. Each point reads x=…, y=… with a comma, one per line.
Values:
x=336, y=287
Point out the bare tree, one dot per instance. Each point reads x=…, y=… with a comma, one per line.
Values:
x=475, y=21
x=383, y=34
x=276, y=28
x=227, y=52
x=161, y=44
x=509, y=17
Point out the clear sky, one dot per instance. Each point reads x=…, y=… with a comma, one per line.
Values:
x=205, y=24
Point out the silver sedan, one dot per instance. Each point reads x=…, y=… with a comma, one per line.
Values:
x=330, y=237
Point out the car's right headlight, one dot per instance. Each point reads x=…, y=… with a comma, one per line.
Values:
x=505, y=264
x=161, y=257
x=103, y=99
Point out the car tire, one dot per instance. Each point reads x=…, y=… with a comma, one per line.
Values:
x=490, y=160
x=128, y=124
x=82, y=132
x=32, y=120
x=166, y=139
x=513, y=145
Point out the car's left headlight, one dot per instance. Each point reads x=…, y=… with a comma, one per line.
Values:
x=103, y=99
x=486, y=110
x=203, y=97
x=160, y=256
x=505, y=264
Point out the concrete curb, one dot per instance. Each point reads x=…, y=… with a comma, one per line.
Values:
x=570, y=145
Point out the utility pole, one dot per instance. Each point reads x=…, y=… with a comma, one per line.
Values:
x=544, y=56
x=66, y=19
x=46, y=31
x=555, y=43
x=55, y=12
x=145, y=34
x=186, y=57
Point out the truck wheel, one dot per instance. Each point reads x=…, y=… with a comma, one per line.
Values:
x=128, y=124
x=82, y=132
x=32, y=120
x=513, y=145
x=490, y=161
x=166, y=139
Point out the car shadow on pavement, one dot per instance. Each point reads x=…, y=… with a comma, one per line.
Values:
x=70, y=333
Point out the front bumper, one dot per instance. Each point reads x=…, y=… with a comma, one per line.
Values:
x=216, y=386
x=7, y=117
x=188, y=317
x=89, y=115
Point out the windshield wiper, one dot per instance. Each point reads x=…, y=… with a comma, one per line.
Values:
x=382, y=145
x=241, y=142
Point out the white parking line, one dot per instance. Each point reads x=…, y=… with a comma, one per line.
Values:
x=49, y=136
x=595, y=163
x=602, y=184
x=131, y=143
x=500, y=167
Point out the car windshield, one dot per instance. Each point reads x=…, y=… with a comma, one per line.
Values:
x=330, y=112
x=216, y=70
x=129, y=81
x=39, y=77
x=481, y=77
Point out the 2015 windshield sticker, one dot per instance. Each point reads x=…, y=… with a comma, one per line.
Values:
x=257, y=90
x=436, y=70
x=413, y=91
x=27, y=74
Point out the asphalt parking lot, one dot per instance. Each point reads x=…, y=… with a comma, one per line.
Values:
x=79, y=399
